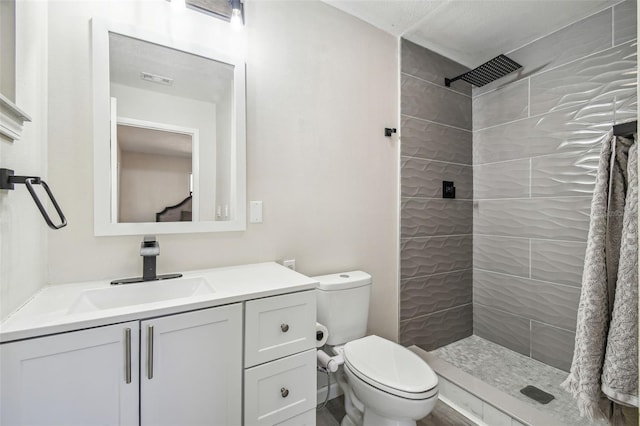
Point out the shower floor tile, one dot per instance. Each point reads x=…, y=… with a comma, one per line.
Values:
x=510, y=371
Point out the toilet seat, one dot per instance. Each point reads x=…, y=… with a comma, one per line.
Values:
x=391, y=368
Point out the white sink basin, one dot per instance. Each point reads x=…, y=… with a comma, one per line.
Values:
x=140, y=294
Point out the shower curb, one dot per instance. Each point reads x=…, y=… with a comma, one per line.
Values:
x=479, y=401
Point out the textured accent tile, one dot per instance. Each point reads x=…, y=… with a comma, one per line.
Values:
x=592, y=79
x=625, y=22
x=552, y=345
x=431, y=66
x=626, y=109
x=507, y=179
x=428, y=218
x=548, y=303
x=558, y=261
x=501, y=254
x=434, y=103
x=433, y=255
x=505, y=104
x=494, y=417
x=435, y=142
x=502, y=328
x=425, y=295
x=583, y=38
x=550, y=218
x=439, y=329
x=423, y=178
x=579, y=128
x=567, y=174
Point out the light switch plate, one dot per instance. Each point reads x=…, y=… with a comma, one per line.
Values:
x=255, y=211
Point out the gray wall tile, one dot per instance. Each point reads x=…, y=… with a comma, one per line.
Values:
x=438, y=329
x=423, y=178
x=575, y=41
x=567, y=174
x=507, y=179
x=426, y=295
x=548, y=303
x=502, y=105
x=568, y=130
x=433, y=141
x=505, y=329
x=427, y=218
x=626, y=109
x=552, y=345
x=501, y=254
x=558, y=261
x=431, y=66
x=433, y=255
x=625, y=21
x=595, y=78
x=549, y=218
x=434, y=103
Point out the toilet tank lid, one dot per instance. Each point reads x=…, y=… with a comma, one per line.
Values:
x=343, y=280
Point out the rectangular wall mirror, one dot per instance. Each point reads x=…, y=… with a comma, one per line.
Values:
x=169, y=134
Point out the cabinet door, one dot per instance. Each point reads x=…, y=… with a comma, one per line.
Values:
x=191, y=368
x=87, y=377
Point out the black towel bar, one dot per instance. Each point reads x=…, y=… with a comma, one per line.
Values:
x=8, y=180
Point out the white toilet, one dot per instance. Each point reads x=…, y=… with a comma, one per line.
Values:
x=385, y=383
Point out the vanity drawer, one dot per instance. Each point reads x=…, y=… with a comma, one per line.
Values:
x=279, y=326
x=281, y=389
x=308, y=418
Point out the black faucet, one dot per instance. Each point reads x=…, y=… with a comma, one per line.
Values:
x=149, y=250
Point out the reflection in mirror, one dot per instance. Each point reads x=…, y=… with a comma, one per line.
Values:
x=175, y=142
x=154, y=174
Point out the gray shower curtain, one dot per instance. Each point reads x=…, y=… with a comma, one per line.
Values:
x=604, y=372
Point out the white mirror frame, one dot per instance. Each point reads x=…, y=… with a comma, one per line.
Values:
x=103, y=224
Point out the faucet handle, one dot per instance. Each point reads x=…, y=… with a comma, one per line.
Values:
x=149, y=246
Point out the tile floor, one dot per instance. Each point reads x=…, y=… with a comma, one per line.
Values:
x=442, y=415
x=510, y=371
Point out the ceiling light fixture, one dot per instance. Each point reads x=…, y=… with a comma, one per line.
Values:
x=237, y=15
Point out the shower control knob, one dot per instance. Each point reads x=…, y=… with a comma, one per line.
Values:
x=284, y=327
x=284, y=392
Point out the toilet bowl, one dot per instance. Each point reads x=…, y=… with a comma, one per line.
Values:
x=395, y=386
x=385, y=384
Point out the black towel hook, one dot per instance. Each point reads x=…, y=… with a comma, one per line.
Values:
x=8, y=180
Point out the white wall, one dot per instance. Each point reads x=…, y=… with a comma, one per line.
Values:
x=321, y=87
x=23, y=232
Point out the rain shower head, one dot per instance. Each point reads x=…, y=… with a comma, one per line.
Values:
x=490, y=71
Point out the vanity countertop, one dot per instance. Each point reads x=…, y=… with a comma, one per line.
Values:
x=50, y=310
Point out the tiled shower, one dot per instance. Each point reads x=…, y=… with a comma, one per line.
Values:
x=532, y=142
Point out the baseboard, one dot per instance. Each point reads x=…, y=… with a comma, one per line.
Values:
x=334, y=392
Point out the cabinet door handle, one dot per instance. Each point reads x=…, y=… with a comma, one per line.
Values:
x=284, y=327
x=127, y=355
x=284, y=392
x=150, y=352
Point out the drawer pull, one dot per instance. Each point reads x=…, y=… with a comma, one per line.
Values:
x=284, y=392
x=284, y=327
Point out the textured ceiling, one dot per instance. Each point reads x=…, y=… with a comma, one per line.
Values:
x=470, y=31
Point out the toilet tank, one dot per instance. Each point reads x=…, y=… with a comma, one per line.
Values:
x=343, y=305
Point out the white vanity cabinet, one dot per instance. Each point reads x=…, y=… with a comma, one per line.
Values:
x=85, y=377
x=191, y=368
x=178, y=369
x=280, y=360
